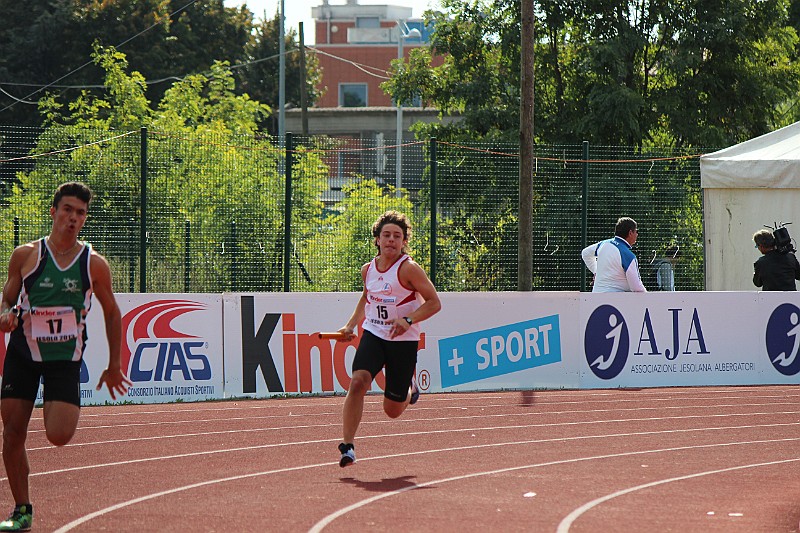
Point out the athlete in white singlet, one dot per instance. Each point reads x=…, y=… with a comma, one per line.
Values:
x=397, y=296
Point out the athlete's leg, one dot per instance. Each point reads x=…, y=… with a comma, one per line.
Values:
x=401, y=360
x=360, y=384
x=62, y=400
x=394, y=409
x=60, y=421
x=16, y=414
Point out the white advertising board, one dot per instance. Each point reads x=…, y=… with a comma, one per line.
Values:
x=480, y=341
x=510, y=340
x=686, y=338
x=171, y=349
x=189, y=347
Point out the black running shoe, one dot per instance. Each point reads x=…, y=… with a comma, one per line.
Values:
x=348, y=455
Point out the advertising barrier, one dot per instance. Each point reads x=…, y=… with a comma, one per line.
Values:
x=171, y=349
x=190, y=347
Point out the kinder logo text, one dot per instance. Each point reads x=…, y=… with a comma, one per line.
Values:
x=498, y=351
x=154, y=351
x=301, y=354
x=783, y=339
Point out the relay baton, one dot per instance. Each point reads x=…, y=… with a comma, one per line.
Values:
x=336, y=335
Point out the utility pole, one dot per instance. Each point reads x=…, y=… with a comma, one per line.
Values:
x=526, y=141
x=303, y=104
x=282, y=74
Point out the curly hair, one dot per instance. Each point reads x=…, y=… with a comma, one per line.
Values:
x=392, y=217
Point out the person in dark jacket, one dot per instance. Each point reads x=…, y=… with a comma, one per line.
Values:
x=775, y=270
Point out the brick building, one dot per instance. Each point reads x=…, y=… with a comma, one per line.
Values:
x=355, y=45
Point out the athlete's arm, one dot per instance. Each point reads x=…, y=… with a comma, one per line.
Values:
x=412, y=276
x=112, y=376
x=358, y=313
x=13, y=286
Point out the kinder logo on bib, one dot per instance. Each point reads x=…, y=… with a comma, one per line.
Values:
x=154, y=350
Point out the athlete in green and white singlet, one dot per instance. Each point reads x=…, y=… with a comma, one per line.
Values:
x=54, y=303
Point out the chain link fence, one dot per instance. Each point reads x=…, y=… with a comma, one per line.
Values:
x=213, y=211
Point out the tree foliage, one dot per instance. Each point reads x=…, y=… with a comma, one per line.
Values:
x=206, y=170
x=165, y=40
x=703, y=72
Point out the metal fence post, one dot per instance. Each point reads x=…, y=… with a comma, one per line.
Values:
x=132, y=255
x=232, y=246
x=287, y=214
x=16, y=232
x=433, y=209
x=584, y=208
x=187, y=258
x=143, y=213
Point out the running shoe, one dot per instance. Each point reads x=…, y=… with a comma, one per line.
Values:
x=414, y=392
x=348, y=455
x=20, y=520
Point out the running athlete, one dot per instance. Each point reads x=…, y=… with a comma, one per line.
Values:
x=44, y=305
x=397, y=296
x=613, y=262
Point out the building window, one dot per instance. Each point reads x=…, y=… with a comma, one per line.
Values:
x=352, y=95
x=368, y=22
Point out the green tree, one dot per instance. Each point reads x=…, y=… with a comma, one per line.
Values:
x=160, y=39
x=346, y=242
x=707, y=72
x=207, y=169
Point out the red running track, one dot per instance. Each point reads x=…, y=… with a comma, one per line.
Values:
x=675, y=459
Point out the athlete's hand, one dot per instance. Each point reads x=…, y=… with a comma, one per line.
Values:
x=347, y=334
x=9, y=320
x=116, y=382
x=399, y=326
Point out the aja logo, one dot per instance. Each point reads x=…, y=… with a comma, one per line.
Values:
x=153, y=350
x=606, y=342
x=783, y=339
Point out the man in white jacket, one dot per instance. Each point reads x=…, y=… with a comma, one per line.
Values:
x=613, y=262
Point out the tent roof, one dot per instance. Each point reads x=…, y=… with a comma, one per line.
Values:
x=769, y=161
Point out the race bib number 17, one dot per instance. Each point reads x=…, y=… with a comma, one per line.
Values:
x=53, y=324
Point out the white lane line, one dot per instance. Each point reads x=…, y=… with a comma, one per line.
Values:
x=453, y=430
x=482, y=415
x=568, y=520
x=120, y=505
x=276, y=403
x=319, y=526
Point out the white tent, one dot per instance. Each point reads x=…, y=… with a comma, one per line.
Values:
x=746, y=187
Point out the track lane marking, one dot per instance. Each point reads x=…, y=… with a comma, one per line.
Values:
x=81, y=520
x=453, y=430
x=566, y=523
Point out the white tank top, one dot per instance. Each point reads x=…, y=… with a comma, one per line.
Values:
x=388, y=299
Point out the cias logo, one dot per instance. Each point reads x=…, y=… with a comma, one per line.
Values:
x=153, y=350
x=783, y=339
x=606, y=342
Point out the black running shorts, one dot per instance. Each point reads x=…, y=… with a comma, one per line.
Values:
x=398, y=357
x=21, y=376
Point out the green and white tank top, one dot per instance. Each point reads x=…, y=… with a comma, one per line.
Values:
x=54, y=303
